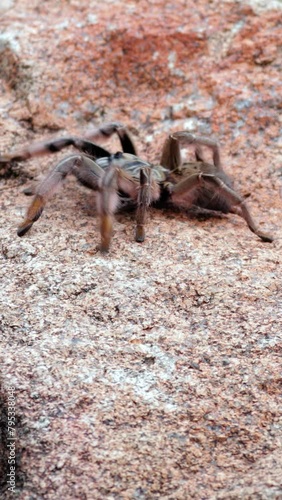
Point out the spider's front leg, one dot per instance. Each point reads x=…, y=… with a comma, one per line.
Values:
x=84, y=145
x=134, y=177
x=143, y=202
x=107, y=130
x=113, y=180
x=84, y=169
x=54, y=146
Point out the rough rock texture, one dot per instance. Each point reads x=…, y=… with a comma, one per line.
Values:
x=155, y=371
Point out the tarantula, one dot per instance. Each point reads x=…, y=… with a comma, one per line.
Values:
x=125, y=176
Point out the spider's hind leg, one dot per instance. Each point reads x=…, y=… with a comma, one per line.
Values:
x=171, y=156
x=186, y=139
x=199, y=155
x=237, y=205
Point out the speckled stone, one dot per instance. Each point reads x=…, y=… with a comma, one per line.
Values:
x=155, y=371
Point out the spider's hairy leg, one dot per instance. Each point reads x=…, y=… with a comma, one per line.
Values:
x=53, y=146
x=113, y=180
x=126, y=141
x=83, y=145
x=107, y=203
x=85, y=170
x=143, y=202
x=44, y=191
x=184, y=192
x=171, y=157
x=199, y=154
x=186, y=139
x=107, y=130
x=238, y=204
x=32, y=215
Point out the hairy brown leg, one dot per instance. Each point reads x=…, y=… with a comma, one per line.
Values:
x=199, y=154
x=187, y=139
x=143, y=202
x=114, y=179
x=240, y=205
x=83, y=145
x=171, y=156
x=186, y=185
x=185, y=192
x=42, y=148
x=107, y=203
x=107, y=130
x=126, y=141
x=85, y=170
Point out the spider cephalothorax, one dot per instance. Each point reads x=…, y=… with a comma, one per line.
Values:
x=124, y=175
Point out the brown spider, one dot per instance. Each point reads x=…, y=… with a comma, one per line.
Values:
x=125, y=177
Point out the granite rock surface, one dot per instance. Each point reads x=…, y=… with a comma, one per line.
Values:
x=155, y=371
